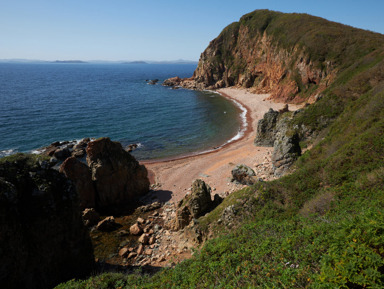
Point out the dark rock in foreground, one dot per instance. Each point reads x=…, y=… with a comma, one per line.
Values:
x=42, y=237
x=118, y=177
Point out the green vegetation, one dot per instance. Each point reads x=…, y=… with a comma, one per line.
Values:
x=323, y=225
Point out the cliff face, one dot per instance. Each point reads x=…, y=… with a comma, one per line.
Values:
x=42, y=237
x=293, y=57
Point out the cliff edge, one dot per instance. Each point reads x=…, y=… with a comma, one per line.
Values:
x=294, y=57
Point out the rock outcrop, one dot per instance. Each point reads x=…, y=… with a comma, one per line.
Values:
x=81, y=176
x=279, y=53
x=266, y=126
x=117, y=176
x=275, y=129
x=244, y=175
x=111, y=176
x=286, y=148
x=42, y=237
x=194, y=205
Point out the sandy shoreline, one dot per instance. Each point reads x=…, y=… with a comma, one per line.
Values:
x=174, y=177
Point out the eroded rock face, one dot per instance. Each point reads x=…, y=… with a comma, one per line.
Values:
x=275, y=129
x=246, y=54
x=117, y=176
x=81, y=176
x=42, y=237
x=286, y=148
x=195, y=205
x=266, y=129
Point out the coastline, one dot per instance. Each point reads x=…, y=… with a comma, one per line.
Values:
x=173, y=177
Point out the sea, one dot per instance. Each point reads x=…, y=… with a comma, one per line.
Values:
x=41, y=103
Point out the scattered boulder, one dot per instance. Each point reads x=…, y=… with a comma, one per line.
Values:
x=107, y=225
x=194, y=205
x=144, y=239
x=118, y=177
x=80, y=175
x=266, y=129
x=43, y=241
x=135, y=229
x=90, y=217
x=140, y=249
x=123, y=252
x=244, y=175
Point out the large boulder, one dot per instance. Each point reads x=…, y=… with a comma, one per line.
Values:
x=117, y=176
x=266, y=129
x=42, y=237
x=81, y=176
x=194, y=205
x=244, y=175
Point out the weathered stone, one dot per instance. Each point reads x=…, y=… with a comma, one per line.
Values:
x=140, y=250
x=135, y=229
x=108, y=224
x=140, y=220
x=193, y=206
x=132, y=254
x=172, y=81
x=243, y=175
x=62, y=153
x=286, y=148
x=148, y=252
x=43, y=241
x=266, y=129
x=123, y=252
x=150, y=207
x=151, y=240
x=118, y=177
x=144, y=239
x=80, y=175
x=90, y=217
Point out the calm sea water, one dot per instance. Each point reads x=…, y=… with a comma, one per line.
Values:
x=43, y=103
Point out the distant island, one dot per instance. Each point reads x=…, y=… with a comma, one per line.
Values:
x=69, y=61
x=135, y=62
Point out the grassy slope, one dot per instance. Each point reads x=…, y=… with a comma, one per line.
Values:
x=320, y=227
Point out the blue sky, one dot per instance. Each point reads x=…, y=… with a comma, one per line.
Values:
x=146, y=29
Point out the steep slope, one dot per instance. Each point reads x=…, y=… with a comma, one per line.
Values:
x=323, y=225
x=292, y=56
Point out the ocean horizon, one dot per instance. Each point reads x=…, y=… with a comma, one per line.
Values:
x=41, y=103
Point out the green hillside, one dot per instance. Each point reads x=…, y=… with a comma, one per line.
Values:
x=323, y=225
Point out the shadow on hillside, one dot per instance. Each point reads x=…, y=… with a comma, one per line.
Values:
x=102, y=267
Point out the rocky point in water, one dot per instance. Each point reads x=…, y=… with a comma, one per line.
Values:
x=42, y=237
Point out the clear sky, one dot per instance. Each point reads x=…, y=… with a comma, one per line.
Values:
x=147, y=29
